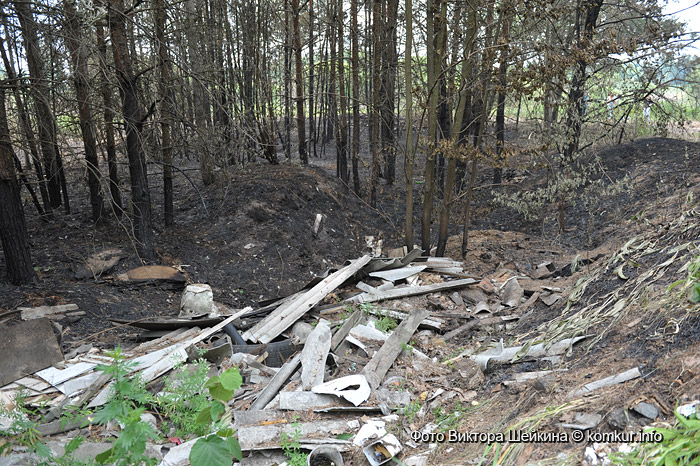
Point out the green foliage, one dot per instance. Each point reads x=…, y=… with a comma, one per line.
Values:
x=386, y=324
x=291, y=446
x=221, y=447
x=691, y=284
x=124, y=407
x=23, y=431
x=410, y=411
x=447, y=420
x=184, y=398
x=680, y=446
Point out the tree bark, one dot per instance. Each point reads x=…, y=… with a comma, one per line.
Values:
x=79, y=58
x=429, y=187
x=312, y=115
x=108, y=116
x=410, y=153
x=343, y=131
x=40, y=93
x=376, y=110
x=389, y=91
x=26, y=127
x=355, y=99
x=164, y=90
x=13, y=229
x=301, y=124
x=141, y=198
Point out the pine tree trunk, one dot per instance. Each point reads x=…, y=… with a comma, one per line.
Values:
x=164, y=90
x=301, y=124
x=141, y=198
x=40, y=93
x=13, y=229
x=410, y=153
x=376, y=110
x=108, y=116
x=342, y=144
x=79, y=58
x=355, y=99
x=27, y=128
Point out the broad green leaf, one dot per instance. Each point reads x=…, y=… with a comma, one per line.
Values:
x=231, y=379
x=234, y=448
x=224, y=433
x=204, y=416
x=212, y=382
x=210, y=451
x=217, y=410
x=218, y=392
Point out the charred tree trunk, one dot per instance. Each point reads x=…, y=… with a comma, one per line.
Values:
x=355, y=152
x=342, y=144
x=410, y=154
x=27, y=128
x=312, y=114
x=133, y=119
x=79, y=59
x=40, y=93
x=389, y=91
x=13, y=229
x=301, y=124
x=110, y=144
x=164, y=90
x=376, y=110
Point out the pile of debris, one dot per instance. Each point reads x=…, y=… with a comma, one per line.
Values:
x=327, y=362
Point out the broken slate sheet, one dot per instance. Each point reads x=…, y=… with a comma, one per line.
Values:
x=313, y=356
x=26, y=348
x=506, y=355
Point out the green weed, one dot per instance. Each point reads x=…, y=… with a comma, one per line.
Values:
x=125, y=406
x=184, y=398
x=680, y=446
x=291, y=445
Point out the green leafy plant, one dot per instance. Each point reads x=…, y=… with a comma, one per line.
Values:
x=183, y=398
x=292, y=447
x=690, y=284
x=386, y=324
x=410, y=411
x=220, y=447
x=680, y=446
x=23, y=431
x=125, y=406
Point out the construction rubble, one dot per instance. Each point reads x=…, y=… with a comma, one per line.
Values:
x=345, y=364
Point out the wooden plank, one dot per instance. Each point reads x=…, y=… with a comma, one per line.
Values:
x=379, y=365
x=284, y=316
x=410, y=291
x=31, y=313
